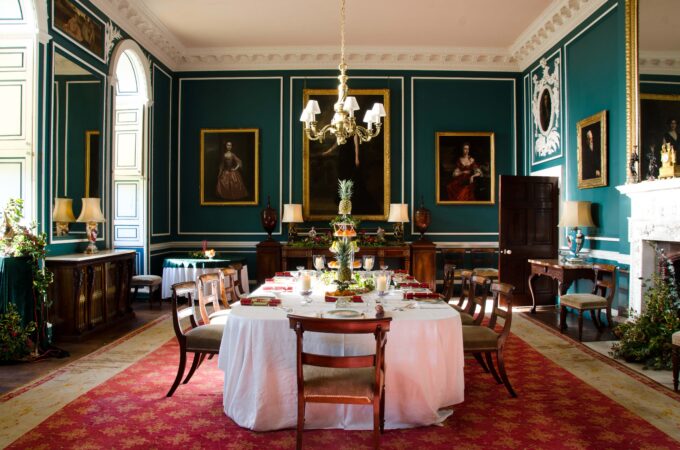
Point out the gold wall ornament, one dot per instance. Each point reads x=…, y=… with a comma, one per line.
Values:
x=668, y=169
x=632, y=90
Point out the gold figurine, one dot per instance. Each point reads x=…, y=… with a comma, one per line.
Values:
x=668, y=162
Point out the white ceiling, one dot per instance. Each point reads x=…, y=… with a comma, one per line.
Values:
x=499, y=35
x=370, y=23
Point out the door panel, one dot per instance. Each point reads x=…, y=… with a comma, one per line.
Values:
x=527, y=230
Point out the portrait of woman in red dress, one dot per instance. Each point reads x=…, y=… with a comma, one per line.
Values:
x=462, y=187
x=465, y=167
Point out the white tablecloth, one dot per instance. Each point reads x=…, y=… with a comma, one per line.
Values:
x=172, y=275
x=424, y=366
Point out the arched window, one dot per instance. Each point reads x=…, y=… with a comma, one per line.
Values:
x=131, y=83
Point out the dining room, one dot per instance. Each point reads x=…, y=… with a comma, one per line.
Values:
x=339, y=224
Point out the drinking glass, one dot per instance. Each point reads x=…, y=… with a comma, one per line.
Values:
x=369, y=260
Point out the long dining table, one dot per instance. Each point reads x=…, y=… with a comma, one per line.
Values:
x=423, y=373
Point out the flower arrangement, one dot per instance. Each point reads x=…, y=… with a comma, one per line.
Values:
x=204, y=253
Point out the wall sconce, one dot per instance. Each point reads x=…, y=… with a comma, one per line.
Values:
x=62, y=215
x=398, y=215
x=92, y=215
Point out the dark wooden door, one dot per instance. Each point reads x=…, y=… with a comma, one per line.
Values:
x=527, y=230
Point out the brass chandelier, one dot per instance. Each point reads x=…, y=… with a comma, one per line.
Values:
x=343, y=125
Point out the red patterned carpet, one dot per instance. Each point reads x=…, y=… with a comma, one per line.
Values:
x=554, y=410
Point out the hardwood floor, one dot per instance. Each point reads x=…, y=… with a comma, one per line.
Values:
x=551, y=317
x=18, y=374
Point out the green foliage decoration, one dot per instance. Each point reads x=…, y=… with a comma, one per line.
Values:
x=15, y=340
x=647, y=338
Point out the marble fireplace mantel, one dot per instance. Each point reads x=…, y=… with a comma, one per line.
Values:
x=654, y=216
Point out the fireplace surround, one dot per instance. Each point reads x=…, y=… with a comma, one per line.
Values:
x=654, y=221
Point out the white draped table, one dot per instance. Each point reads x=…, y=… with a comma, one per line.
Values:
x=424, y=365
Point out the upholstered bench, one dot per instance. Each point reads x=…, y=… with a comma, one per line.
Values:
x=675, y=340
x=153, y=282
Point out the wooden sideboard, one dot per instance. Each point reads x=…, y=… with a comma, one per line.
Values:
x=90, y=292
x=413, y=258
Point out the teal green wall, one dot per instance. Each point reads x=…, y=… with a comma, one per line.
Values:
x=660, y=84
x=593, y=80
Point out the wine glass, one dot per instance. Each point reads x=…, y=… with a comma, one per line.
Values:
x=369, y=260
x=319, y=263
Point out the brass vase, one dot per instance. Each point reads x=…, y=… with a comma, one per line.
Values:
x=422, y=219
x=269, y=219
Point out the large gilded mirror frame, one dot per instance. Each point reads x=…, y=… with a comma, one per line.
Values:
x=632, y=92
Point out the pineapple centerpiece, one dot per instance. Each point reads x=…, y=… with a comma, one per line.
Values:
x=343, y=246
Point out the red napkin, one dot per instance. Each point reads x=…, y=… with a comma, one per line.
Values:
x=330, y=299
x=274, y=302
x=357, y=299
x=283, y=274
x=416, y=295
x=414, y=285
x=409, y=277
x=268, y=280
x=400, y=271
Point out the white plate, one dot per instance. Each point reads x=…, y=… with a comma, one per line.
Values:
x=342, y=314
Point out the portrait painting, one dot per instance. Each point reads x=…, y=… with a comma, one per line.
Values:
x=464, y=168
x=545, y=110
x=367, y=164
x=80, y=26
x=659, y=115
x=229, y=166
x=591, y=152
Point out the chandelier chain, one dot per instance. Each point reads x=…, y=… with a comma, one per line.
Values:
x=342, y=32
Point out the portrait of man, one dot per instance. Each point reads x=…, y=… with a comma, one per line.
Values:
x=592, y=148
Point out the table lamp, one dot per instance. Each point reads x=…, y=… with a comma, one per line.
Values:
x=292, y=214
x=576, y=214
x=92, y=215
x=398, y=215
x=62, y=215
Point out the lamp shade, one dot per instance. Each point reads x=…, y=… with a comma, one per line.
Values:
x=63, y=210
x=292, y=213
x=91, y=211
x=398, y=212
x=576, y=214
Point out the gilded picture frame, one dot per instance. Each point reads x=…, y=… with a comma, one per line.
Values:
x=92, y=151
x=591, y=151
x=325, y=162
x=229, y=166
x=465, y=168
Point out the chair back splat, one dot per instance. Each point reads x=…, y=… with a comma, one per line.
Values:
x=342, y=379
x=209, y=286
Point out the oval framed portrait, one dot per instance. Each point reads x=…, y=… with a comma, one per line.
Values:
x=545, y=110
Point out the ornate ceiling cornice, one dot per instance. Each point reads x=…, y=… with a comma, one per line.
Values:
x=560, y=18
x=659, y=63
x=550, y=27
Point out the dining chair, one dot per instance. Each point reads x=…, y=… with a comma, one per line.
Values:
x=485, y=340
x=449, y=281
x=209, y=287
x=601, y=297
x=465, y=281
x=478, y=292
x=201, y=340
x=358, y=380
x=238, y=282
x=229, y=282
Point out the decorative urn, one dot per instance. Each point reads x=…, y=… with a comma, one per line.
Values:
x=422, y=219
x=269, y=219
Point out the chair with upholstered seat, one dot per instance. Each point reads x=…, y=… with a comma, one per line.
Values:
x=465, y=281
x=601, y=297
x=485, y=340
x=478, y=292
x=201, y=340
x=358, y=380
x=449, y=282
x=238, y=282
x=675, y=341
x=152, y=282
x=210, y=292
